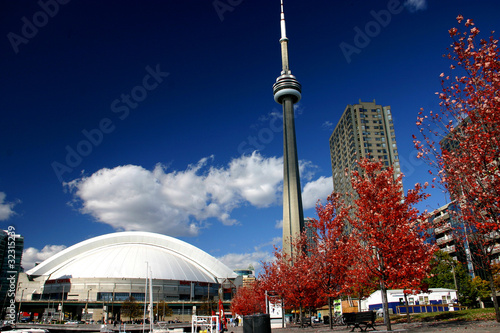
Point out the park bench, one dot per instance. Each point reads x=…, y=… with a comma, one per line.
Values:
x=306, y=321
x=360, y=319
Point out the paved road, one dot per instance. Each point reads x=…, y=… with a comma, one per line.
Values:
x=456, y=326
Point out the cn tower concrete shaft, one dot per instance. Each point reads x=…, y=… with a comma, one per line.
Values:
x=287, y=92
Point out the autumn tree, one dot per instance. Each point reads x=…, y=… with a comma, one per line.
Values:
x=444, y=271
x=448, y=273
x=462, y=140
x=388, y=229
x=333, y=253
x=249, y=299
x=131, y=309
x=208, y=306
x=162, y=310
x=496, y=275
x=295, y=279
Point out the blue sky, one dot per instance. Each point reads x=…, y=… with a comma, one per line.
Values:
x=159, y=115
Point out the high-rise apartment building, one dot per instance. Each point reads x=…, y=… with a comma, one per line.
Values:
x=365, y=129
x=11, y=251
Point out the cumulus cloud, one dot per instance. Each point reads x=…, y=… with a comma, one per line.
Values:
x=6, y=208
x=32, y=256
x=243, y=260
x=316, y=190
x=179, y=203
x=415, y=5
x=176, y=203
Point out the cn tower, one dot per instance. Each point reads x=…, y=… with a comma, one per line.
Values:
x=287, y=92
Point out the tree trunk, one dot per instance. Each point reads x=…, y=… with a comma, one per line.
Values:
x=387, y=320
x=359, y=302
x=494, y=296
x=330, y=312
x=282, y=313
x=407, y=308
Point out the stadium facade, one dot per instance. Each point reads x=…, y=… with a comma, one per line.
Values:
x=92, y=279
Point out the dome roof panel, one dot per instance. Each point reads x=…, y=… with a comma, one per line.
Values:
x=124, y=255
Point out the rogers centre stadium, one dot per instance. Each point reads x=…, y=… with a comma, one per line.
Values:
x=91, y=280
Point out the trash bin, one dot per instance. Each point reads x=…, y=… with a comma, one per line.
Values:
x=247, y=324
x=260, y=323
x=326, y=320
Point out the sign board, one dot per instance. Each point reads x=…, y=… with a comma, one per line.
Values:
x=275, y=308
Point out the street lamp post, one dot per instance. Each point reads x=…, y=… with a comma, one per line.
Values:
x=61, y=313
x=20, y=302
x=87, y=304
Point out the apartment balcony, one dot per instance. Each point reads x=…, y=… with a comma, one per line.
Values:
x=494, y=235
x=444, y=228
x=449, y=249
x=441, y=218
x=444, y=240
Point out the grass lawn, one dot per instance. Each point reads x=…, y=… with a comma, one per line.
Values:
x=462, y=315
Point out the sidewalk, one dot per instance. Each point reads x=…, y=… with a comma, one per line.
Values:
x=441, y=326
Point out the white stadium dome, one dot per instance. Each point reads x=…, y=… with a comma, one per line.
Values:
x=94, y=278
x=125, y=254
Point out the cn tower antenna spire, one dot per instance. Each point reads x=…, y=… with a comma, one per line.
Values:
x=284, y=43
x=283, y=27
x=287, y=92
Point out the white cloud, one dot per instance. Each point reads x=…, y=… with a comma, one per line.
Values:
x=275, y=241
x=31, y=255
x=179, y=203
x=279, y=224
x=327, y=125
x=243, y=260
x=176, y=203
x=415, y=5
x=6, y=208
x=316, y=190
x=256, y=258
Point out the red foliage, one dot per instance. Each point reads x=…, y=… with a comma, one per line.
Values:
x=391, y=246
x=389, y=229
x=466, y=161
x=249, y=299
x=334, y=248
x=294, y=280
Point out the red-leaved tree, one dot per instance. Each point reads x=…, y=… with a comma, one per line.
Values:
x=294, y=280
x=462, y=140
x=249, y=299
x=333, y=250
x=389, y=231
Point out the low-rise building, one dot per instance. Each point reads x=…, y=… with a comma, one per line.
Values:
x=437, y=299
